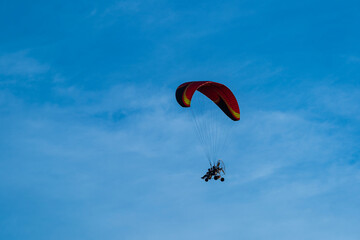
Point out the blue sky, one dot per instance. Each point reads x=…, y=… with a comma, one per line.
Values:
x=94, y=146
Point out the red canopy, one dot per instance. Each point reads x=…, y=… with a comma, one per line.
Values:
x=217, y=92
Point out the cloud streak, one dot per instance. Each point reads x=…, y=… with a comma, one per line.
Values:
x=84, y=156
x=19, y=64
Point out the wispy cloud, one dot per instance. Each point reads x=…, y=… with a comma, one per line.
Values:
x=124, y=6
x=20, y=64
x=342, y=101
x=353, y=59
x=149, y=153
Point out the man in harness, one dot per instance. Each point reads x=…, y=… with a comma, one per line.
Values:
x=215, y=171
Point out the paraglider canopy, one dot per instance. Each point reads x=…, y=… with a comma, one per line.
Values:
x=217, y=92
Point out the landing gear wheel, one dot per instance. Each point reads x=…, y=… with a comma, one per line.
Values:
x=216, y=178
x=206, y=179
x=222, y=179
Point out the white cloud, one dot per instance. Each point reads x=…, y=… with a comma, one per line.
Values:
x=340, y=101
x=353, y=59
x=148, y=162
x=19, y=64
